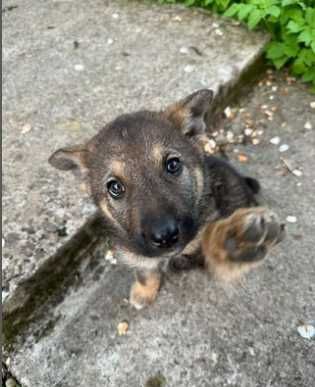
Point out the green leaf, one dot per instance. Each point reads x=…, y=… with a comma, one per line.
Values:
x=245, y=10
x=309, y=75
x=275, y=50
x=310, y=16
x=288, y=2
x=291, y=50
x=313, y=46
x=254, y=18
x=305, y=37
x=298, y=67
x=280, y=62
x=231, y=11
x=273, y=11
x=294, y=27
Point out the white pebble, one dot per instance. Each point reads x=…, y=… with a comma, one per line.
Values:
x=110, y=41
x=308, y=125
x=248, y=131
x=275, y=140
x=297, y=172
x=283, y=148
x=307, y=331
x=26, y=128
x=215, y=25
x=312, y=105
x=218, y=32
x=291, y=219
x=110, y=257
x=229, y=136
x=271, y=97
x=184, y=50
x=228, y=112
x=274, y=88
x=189, y=69
x=78, y=67
x=255, y=141
x=115, y=16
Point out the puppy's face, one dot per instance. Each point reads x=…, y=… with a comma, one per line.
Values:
x=145, y=173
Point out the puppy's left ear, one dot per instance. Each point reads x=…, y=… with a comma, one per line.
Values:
x=189, y=114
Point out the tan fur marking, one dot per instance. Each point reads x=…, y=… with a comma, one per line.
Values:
x=118, y=168
x=199, y=181
x=157, y=153
x=104, y=208
x=142, y=295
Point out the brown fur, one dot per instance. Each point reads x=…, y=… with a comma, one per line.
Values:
x=159, y=215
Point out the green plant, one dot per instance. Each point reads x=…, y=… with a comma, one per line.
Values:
x=291, y=24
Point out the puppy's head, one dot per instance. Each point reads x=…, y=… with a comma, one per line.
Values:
x=145, y=172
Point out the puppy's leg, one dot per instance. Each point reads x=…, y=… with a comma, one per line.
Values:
x=234, y=245
x=145, y=289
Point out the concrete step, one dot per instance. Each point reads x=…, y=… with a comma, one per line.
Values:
x=198, y=333
x=69, y=67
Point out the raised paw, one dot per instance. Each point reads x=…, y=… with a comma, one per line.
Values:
x=231, y=246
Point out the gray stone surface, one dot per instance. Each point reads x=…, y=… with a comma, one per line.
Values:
x=200, y=333
x=70, y=66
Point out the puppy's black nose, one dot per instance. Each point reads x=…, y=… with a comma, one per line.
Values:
x=164, y=233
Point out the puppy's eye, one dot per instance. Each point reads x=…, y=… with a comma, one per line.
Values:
x=115, y=188
x=174, y=166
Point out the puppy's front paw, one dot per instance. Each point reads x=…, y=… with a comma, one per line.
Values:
x=251, y=234
x=233, y=245
x=144, y=290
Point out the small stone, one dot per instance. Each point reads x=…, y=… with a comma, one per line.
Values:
x=275, y=140
x=308, y=125
x=189, y=69
x=218, y=32
x=109, y=256
x=312, y=104
x=110, y=41
x=215, y=25
x=255, y=141
x=291, y=219
x=184, y=50
x=78, y=67
x=297, y=172
x=122, y=328
x=115, y=16
x=248, y=132
x=271, y=97
x=228, y=112
x=230, y=136
x=10, y=383
x=260, y=132
x=283, y=148
x=274, y=88
x=177, y=18
x=307, y=331
x=26, y=128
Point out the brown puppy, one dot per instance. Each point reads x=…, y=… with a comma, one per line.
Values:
x=157, y=189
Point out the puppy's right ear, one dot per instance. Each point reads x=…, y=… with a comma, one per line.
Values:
x=189, y=114
x=74, y=159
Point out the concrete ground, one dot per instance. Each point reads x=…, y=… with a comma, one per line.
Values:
x=198, y=333
x=68, y=68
